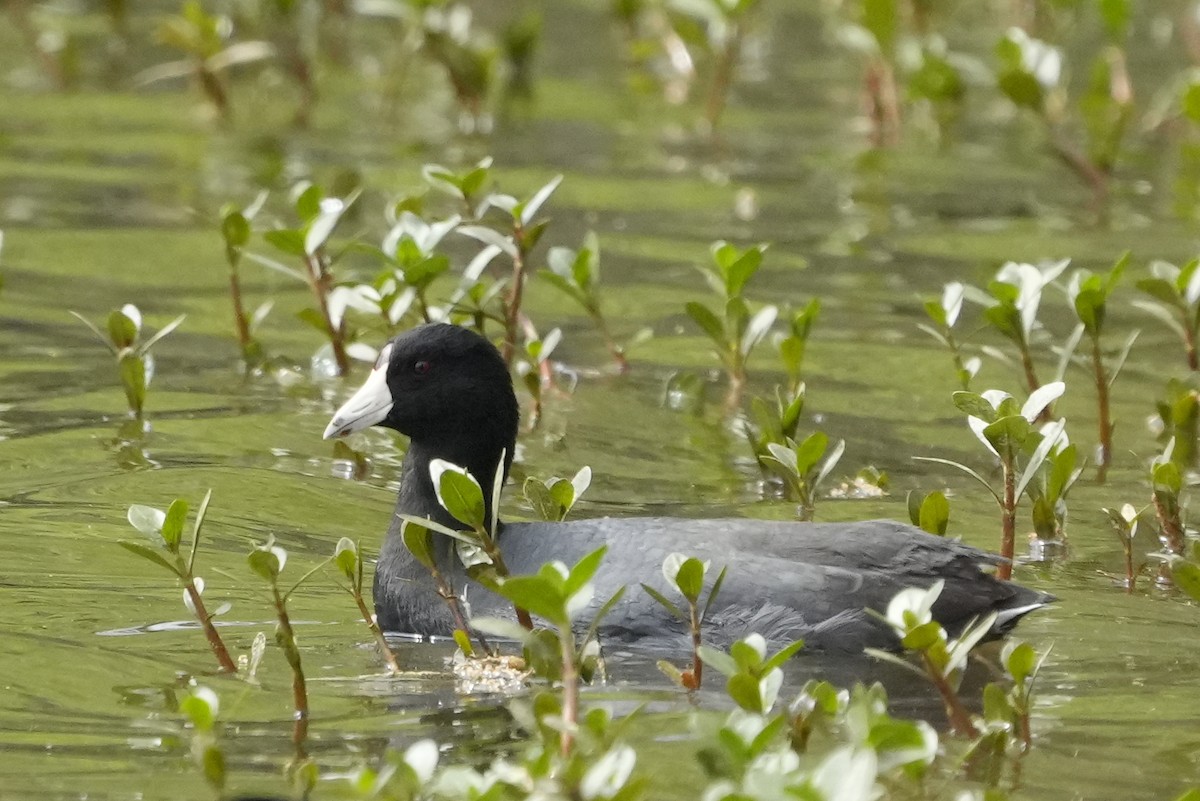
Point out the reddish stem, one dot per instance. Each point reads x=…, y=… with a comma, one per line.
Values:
x=210, y=631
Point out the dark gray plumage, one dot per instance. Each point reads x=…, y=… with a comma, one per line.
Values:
x=449, y=391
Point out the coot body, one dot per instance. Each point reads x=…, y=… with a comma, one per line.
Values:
x=448, y=390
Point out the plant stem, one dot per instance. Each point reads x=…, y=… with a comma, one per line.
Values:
x=617, y=352
x=722, y=79
x=1092, y=174
x=1130, y=578
x=380, y=640
x=1189, y=342
x=210, y=631
x=570, y=684
x=1008, y=517
x=956, y=713
x=460, y=620
x=512, y=304
x=318, y=280
x=286, y=639
x=697, y=663
x=1169, y=523
x=240, y=322
x=1105, y=414
x=493, y=551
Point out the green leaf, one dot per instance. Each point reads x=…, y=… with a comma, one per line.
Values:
x=717, y=660
x=197, y=527
x=810, y=451
x=881, y=18
x=1116, y=14
x=419, y=541
x=690, y=579
x=463, y=641
x=346, y=557
x=975, y=405
x=782, y=656
x=458, y=493
x=745, y=691
x=708, y=322
x=921, y=637
x=122, y=331
x=147, y=520
x=1019, y=660
x=665, y=602
x=287, y=240
x=264, y=560
x=146, y=552
x=934, y=515
x=500, y=627
x=133, y=379
x=538, y=595
x=996, y=708
x=1186, y=576
x=1023, y=89
x=172, y=527
x=235, y=228
x=583, y=571
x=1160, y=289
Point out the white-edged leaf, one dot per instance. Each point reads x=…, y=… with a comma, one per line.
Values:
x=531, y=208
x=1039, y=455
x=488, y=236
x=1042, y=397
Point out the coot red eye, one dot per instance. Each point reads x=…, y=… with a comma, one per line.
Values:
x=422, y=367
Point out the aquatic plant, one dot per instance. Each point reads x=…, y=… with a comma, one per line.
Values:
x=943, y=660
x=793, y=345
x=535, y=369
x=135, y=362
x=1006, y=430
x=576, y=273
x=1030, y=72
x=477, y=546
x=553, y=498
x=318, y=215
x=165, y=531
x=801, y=465
x=235, y=230
x=1125, y=523
x=205, y=41
x=524, y=231
x=753, y=678
x=201, y=707
x=1012, y=310
x=268, y=561
x=1089, y=295
x=733, y=329
x=930, y=512
x=1166, y=482
x=1178, y=421
x=417, y=536
x=1176, y=294
x=348, y=559
x=945, y=313
x=687, y=574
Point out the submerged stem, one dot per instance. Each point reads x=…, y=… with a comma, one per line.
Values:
x=385, y=649
x=1008, y=517
x=1104, y=413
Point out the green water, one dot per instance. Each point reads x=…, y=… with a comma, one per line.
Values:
x=109, y=194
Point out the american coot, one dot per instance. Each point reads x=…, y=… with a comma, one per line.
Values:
x=448, y=390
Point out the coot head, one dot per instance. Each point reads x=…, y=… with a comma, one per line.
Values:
x=434, y=383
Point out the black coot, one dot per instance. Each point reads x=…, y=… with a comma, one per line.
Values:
x=448, y=390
